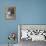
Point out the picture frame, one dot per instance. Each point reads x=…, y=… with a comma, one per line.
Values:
x=39, y=35
x=10, y=13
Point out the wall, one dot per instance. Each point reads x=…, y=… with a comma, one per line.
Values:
x=6, y=26
x=31, y=11
x=27, y=12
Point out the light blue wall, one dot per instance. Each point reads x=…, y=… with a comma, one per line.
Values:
x=27, y=12
x=31, y=11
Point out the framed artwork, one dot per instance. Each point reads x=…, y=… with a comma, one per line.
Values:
x=32, y=32
x=10, y=13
